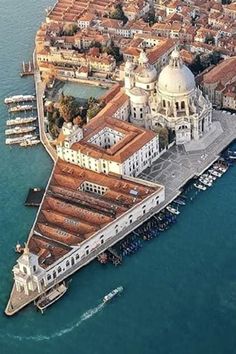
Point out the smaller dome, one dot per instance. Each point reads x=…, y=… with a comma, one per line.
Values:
x=146, y=73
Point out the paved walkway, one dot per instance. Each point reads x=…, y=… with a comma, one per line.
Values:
x=175, y=167
x=40, y=88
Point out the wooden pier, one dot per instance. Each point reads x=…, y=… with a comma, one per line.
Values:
x=27, y=69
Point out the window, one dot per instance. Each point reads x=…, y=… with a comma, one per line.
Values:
x=182, y=105
x=77, y=256
x=59, y=269
x=72, y=261
x=67, y=263
x=49, y=277
x=34, y=268
x=54, y=274
x=164, y=103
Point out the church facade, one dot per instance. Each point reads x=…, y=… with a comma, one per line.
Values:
x=171, y=100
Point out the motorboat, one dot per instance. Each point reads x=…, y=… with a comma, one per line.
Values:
x=200, y=186
x=113, y=294
x=205, y=181
x=51, y=296
x=173, y=210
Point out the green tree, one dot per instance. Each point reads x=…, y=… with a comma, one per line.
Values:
x=118, y=13
x=68, y=108
x=210, y=39
x=150, y=17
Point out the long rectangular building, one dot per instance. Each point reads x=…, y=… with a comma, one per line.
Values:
x=82, y=211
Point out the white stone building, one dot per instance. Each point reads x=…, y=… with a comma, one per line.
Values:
x=108, y=145
x=172, y=100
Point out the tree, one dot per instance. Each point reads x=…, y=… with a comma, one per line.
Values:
x=215, y=57
x=150, y=17
x=118, y=14
x=94, y=107
x=209, y=39
x=68, y=108
x=70, y=29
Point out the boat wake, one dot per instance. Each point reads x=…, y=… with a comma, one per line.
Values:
x=38, y=338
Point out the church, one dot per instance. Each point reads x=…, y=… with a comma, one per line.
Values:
x=169, y=100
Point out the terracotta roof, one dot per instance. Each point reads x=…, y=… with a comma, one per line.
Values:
x=223, y=72
x=69, y=215
x=134, y=139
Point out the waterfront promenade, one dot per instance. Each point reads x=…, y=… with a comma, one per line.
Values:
x=181, y=163
x=40, y=89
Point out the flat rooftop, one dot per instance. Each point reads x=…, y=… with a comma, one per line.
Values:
x=77, y=204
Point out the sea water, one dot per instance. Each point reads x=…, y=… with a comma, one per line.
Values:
x=179, y=290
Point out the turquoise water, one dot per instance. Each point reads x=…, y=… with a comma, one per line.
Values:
x=180, y=289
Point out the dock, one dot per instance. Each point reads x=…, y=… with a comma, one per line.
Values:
x=34, y=197
x=27, y=69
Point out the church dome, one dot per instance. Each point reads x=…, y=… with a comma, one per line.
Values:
x=176, y=78
x=146, y=73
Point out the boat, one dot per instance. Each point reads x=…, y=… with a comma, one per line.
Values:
x=112, y=294
x=22, y=108
x=200, y=186
x=20, y=130
x=215, y=173
x=205, y=181
x=180, y=201
x=18, y=140
x=232, y=157
x=209, y=176
x=19, y=98
x=51, y=296
x=220, y=167
x=20, y=120
x=173, y=210
x=231, y=152
x=30, y=142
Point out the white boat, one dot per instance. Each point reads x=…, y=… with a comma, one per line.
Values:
x=173, y=210
x=19, y=98
x=112, y=294
x=200, y=186
x=215, y=173
x=208, y=176
x=20, y=120
x=20, y=130
x=30, y=142
x=205, y=181
x=51, y=296
x=20, y=108
x=18, y=140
